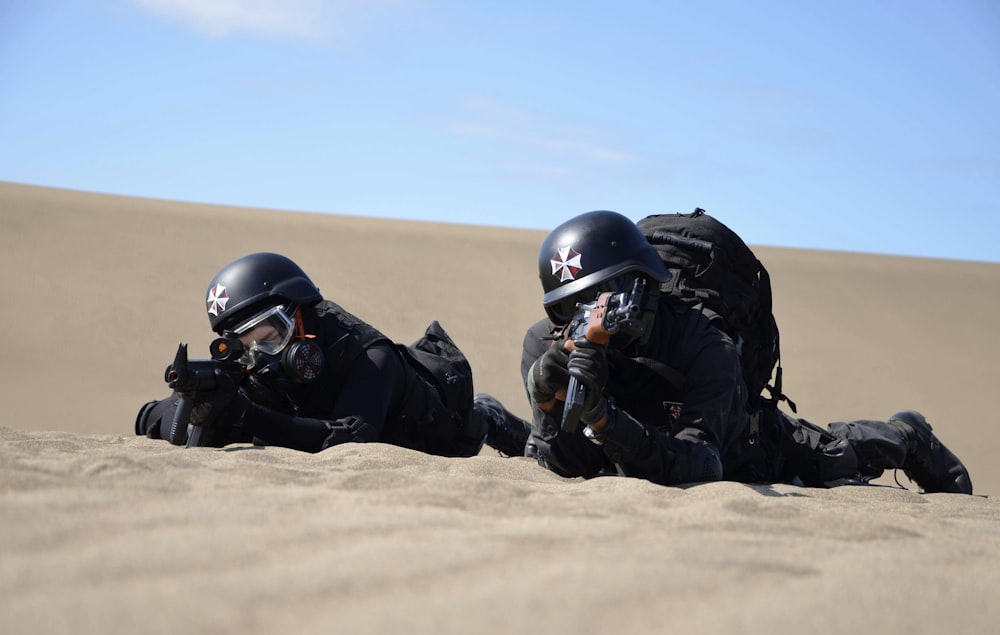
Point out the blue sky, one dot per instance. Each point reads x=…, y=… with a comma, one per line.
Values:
x=853, y=125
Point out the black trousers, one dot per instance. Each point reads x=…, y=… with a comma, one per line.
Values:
x=796, y=450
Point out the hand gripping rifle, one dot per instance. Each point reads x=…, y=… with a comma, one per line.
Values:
x=596, y=322
x=189, y=378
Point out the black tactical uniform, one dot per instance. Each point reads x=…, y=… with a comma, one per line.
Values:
x=364, y=386
x=653, y=419
x=670, y=405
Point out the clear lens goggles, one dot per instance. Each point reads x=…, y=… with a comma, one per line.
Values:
x=267, y=332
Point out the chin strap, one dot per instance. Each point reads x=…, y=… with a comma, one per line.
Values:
x=300, y=327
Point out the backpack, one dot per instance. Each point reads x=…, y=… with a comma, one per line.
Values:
x=712, y=266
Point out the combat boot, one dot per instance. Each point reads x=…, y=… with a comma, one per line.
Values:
x=928, y=462
x=507, y=433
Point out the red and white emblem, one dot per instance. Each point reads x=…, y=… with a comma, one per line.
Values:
x=217, y=299
x=566, y=264
x=673, y=409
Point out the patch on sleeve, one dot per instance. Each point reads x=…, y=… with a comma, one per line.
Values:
x=673, y=410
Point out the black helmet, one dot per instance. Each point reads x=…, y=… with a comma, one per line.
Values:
x=588, y=250
x=255, y=281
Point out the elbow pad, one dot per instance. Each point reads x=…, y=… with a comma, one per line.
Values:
x=694, y=462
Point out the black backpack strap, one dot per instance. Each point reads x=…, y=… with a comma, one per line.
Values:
x=775, y=391
x=672, y=376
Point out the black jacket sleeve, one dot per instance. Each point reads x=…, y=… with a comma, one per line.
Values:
x=374, y=382
x=565, y=454
x=639, y=441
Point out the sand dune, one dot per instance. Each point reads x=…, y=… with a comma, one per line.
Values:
x=106, y=532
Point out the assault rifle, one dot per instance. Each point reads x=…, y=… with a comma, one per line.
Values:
x=189, y=378
x=596, y=322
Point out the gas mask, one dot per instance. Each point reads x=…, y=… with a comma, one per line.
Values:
x=276, y=349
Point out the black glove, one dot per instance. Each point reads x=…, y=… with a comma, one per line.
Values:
x=548, y=374
x=350, y=429
x=224, y=405
x=588, y=363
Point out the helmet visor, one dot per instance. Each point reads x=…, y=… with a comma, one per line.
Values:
x=267, y=332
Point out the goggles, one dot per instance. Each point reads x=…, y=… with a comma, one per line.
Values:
x=267, y=332
x=562, y=312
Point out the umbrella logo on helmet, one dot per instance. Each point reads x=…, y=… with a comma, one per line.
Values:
x=217, y=299
x=566, y=264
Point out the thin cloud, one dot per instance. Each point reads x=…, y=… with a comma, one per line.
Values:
x=278, y=19
x=537, y=170
x=582, y=147
x=484, y=117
